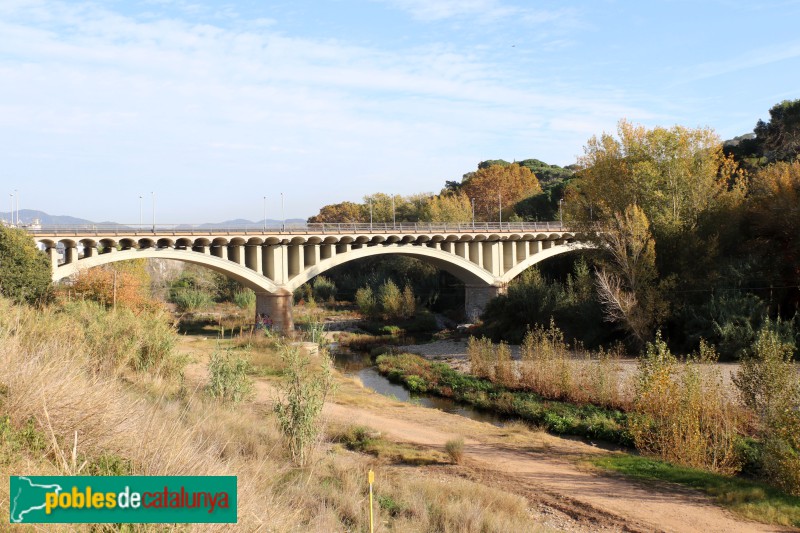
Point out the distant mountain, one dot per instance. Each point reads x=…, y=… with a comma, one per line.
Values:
x=244, y=223
x=27, y=216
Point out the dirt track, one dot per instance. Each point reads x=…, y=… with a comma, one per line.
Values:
x=545, y=469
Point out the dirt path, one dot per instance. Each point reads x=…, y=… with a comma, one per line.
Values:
x=545, y=467
x=541, y=467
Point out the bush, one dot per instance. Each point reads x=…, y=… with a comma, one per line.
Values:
x=245, y=298
x=324, y=289
x=455, y=450
x=391, y=301
x=25, y=274
x=228, y=379
x=365, y=300
x=188, y=299
x=303, y=396
x=683, y=413
x=125, y=339
x=768, y=385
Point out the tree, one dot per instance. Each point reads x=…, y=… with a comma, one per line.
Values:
x=779, y=139
x=341, y=212
x=499, y=187
x=452, y=207
x=627, y=282
x=672, y=174
x=774, y=208
x=25, y=274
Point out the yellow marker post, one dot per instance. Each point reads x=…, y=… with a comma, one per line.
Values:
x=371, y=478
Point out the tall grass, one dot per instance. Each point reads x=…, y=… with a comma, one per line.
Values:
x=50, y=391
x=683, y=414
x=245, y=298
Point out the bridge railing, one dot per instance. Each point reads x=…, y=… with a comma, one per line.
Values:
x=295, y=229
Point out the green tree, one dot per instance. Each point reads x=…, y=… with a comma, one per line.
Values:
x=341, y=212
x=25, y=274
x=779, y=139
x=673, y=175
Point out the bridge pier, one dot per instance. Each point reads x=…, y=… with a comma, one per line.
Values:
x=277, y=306
x=476, y=297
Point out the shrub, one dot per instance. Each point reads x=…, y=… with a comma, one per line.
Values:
x=504, y=370
x=683, y=414
x=188, y=299
x=365, y=300
x=409, y=305
x=324, y=289
x=768, y=384
x=481, y=356
x=303, y=396
x=391, y=301
x=455, y=450
x=228, y=379
x=24, y=270
x=245, y=298
x=124, y=339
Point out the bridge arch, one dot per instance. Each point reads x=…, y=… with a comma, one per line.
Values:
x=541, y=256
x=463, y=269
x=242, y=274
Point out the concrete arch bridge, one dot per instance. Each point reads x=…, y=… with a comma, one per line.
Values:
x=275, y=261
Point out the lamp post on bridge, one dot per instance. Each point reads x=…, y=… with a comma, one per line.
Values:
x=153, y=194
x=394, y=218
x=16, y=197
x=283, y=215
x=561, y=212
x=370, y=215
x=11, y=213
x=472, y=201
x=500, y=208
x=265, y=214
x=140, y=212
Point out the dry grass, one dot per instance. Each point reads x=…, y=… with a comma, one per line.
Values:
x=51, y=391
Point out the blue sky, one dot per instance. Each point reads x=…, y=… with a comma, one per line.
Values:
x=215, y=104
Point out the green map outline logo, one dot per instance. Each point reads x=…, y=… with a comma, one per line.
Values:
x=122, y=499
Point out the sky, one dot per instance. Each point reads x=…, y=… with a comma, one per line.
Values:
x=209, y=106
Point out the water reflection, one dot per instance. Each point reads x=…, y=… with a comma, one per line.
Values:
x=360, y=366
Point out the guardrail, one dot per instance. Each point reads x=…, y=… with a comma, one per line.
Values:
x=295, y=229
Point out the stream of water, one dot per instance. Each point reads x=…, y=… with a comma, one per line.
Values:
x=361, y=366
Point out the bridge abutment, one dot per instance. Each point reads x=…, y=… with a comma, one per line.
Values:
x=476, y=298
x=278, y=307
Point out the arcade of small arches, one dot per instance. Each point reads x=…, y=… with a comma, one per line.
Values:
x=275, y=264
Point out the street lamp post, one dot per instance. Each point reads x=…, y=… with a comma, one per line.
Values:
x=394, y=218
x=11, y=213
x=140, y=212
x=265, y=214
x=500, y=208
x=561, y=212
x=153, y=194
x=16, y=197
x=283, y=215
x=472, y=200
x=370, y=214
